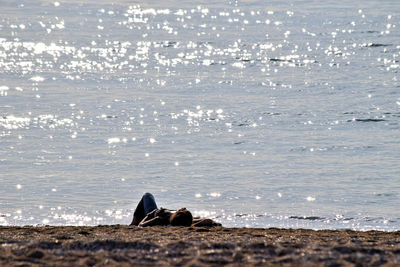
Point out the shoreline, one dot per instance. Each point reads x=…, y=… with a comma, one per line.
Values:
x=121, y=245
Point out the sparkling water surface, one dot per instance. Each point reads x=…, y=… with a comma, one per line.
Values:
x=278, y=114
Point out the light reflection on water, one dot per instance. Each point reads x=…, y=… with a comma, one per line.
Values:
x=278, y=116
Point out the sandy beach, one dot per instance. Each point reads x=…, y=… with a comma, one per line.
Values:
x=117, y=245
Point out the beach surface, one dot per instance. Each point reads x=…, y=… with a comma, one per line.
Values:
x=117, y=245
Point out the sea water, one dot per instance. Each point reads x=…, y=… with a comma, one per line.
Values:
x=254, y=113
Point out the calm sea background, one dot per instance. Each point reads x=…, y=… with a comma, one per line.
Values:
x=255, y=113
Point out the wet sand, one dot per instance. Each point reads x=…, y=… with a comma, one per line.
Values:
x=117, y=245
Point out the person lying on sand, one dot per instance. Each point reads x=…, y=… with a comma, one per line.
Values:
x=147, y=214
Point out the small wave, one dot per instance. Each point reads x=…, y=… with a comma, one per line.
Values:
x=278, y=60
x=272, y=113
x=238, y=142
x=371, y=32
x=385, y=194
x=367, y=120
x=329, y=148
x=310, y=218
x=242, y=123
x=241, y=215
x=376, y=45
